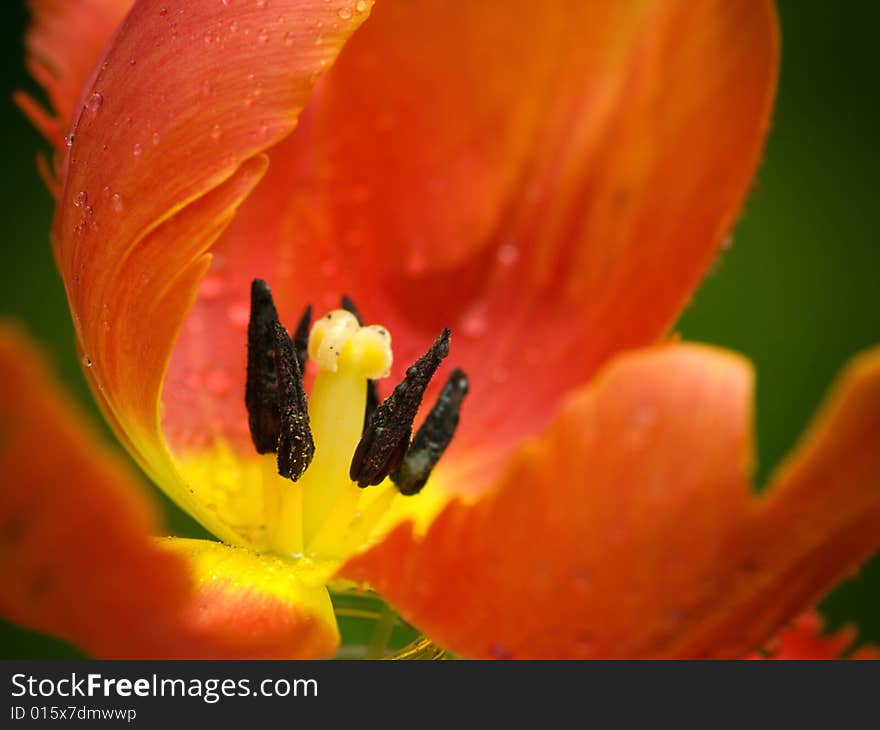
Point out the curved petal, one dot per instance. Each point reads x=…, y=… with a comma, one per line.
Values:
x=629, y=528
x=168, y=138
x=805, y=638
x=549, y=179
x=78, y=561
x=251, y=606
x=64, y=42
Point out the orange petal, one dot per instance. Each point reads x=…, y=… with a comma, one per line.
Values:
x=78, y=561
x=63, y=44
x=168, y=139
x=549, y=179
x=630, y=528
x=253, y=606
x=805, y=638
x=75, y=553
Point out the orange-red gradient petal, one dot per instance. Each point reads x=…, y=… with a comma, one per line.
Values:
x=78, y=560
x=63, y=43
x=169, y=131
x=629, y=529
x=550, y=179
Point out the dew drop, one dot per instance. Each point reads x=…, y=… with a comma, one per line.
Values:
x=262, y=3
x=344, y=13
x=81, y=199
x=212, y=286
x=68, y=140
x=116, y=202
x=94, y=102
x=508, y=254
x=500, y=375
x=475, y=322
x=289, y=38
x=215, y=132
x=263, y=35
x=87, y=361
x=360, y=6
x=137, y=150
x=239, y=314
x=329, y=268
x=218, y=381
x=156, y=138
x=233, y=26
x=416, y=263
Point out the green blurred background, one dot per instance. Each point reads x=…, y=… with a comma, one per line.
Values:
x=797, y=292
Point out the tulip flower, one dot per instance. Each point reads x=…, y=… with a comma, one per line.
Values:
x=549, y=181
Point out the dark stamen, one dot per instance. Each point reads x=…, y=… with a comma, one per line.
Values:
x=372, y=392
x=386, y=437
x=295, y=444
x=301, y=338
x=372, y=402
x=349, y=306
x=432, y=437
x=261, y=390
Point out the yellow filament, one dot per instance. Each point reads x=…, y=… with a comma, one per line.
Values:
x=316, y=514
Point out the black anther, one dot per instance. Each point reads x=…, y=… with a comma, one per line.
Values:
x=296, y=447
x=386, y=437
x=261, y=389
x=433, y=436
x=301, y=338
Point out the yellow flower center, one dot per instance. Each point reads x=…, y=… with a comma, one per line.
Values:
x=333, y=469
x=325, y=514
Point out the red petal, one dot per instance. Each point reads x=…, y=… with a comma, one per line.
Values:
x=629, y=529
x=63, y=43
x=804, y=638
x=78, y=561
x=549, y=179
x=169, y=132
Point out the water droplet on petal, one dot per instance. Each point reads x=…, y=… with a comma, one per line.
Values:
x=116, y=202
x=508, y=254
x=344, y=13
x=239, y=314
x=87, y=361
x=81, y=199
x=289, y=38
x=218, y=381
x=475, y=322
x=215, y=132
x=263, y=35
x=137, y=149
x=156, y=138
x=360, y=6
x=500, y=375
x=94, y=102
x=212, y=286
